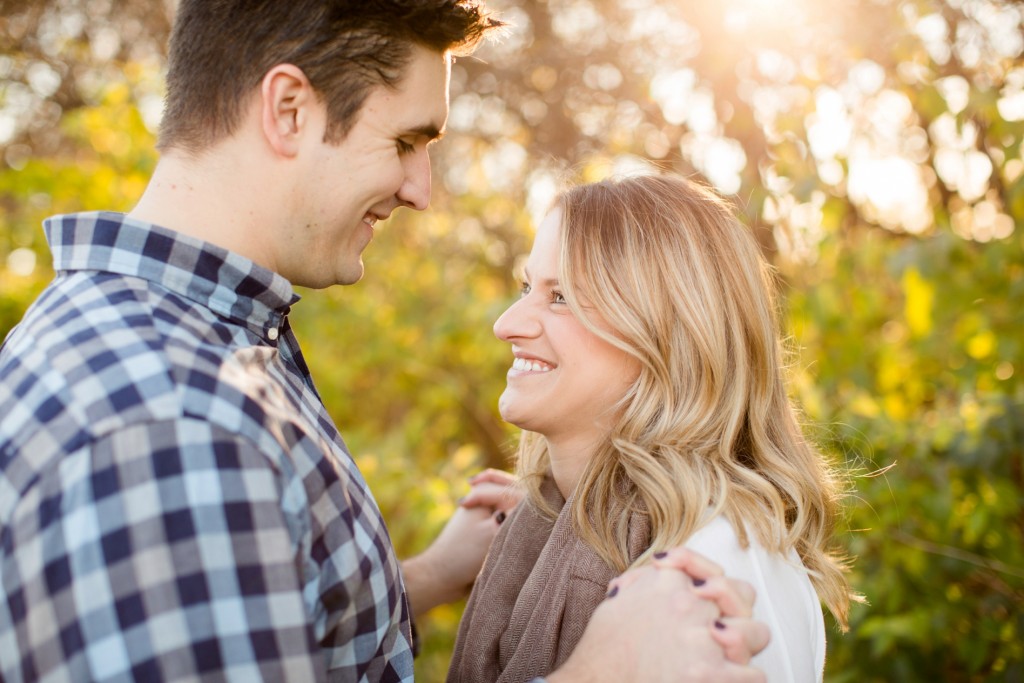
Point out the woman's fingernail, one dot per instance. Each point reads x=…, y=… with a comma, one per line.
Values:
x=500, y=517
x=661, y=555
x=462, y=500
x=698, y=582
x=613, y=592
x=719, y=625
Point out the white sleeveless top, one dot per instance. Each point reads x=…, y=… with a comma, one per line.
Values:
x=786, y=602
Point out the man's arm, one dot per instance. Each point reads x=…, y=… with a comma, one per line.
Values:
x=158, y=553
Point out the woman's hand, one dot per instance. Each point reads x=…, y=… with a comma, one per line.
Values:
x=494, y=489
x=446, y=570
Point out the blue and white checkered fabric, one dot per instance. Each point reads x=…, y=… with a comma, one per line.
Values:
x=175, y=502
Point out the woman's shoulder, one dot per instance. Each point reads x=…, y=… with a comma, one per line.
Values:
x=718, y=540
x=786, y=599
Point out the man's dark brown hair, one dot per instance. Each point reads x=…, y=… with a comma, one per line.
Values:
x=221, y=49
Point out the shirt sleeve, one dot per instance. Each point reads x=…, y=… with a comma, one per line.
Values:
x=786, y=602
x=160, y=553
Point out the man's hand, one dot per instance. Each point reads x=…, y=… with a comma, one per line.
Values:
x=739, y=636
x=658, y=627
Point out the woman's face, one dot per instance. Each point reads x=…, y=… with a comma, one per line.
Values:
x=565, y=380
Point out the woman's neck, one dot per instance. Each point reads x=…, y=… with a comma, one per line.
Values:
x=568, y=458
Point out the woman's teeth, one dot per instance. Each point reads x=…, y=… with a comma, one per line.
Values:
x=525, y=365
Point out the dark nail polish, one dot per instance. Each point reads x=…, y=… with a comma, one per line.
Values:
x=613, y=592
x=660, y=556
x=500, y=517
x=698, y=583
x=719, y=625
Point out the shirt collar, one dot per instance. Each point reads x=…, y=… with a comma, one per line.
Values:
x=225, y=282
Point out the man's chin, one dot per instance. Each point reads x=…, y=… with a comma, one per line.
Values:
x=348, y=275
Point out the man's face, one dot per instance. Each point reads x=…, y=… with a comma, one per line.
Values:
x=382, y=164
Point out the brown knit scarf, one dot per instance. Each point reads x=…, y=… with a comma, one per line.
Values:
x=539, y=586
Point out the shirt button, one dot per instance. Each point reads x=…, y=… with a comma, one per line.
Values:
x=272, y=334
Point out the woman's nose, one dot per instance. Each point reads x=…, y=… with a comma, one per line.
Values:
x=516, y=322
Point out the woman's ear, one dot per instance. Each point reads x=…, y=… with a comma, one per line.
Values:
x=287, y=100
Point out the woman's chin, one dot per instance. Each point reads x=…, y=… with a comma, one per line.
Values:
x=509, y=414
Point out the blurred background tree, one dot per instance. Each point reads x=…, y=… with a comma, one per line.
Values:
x=874, y=146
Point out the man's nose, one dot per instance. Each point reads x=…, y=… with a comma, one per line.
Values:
x=415, y=190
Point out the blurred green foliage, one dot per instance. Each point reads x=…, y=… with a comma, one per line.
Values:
x=873, y=145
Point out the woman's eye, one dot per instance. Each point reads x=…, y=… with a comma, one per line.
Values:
x=557, y=298
x=404, y=147
x=524, y=288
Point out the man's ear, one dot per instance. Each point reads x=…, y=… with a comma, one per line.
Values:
x=287, y=100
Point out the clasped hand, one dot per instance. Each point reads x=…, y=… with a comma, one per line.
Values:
x=678, y=619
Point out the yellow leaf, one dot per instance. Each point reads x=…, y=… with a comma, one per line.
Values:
x=919, y=298
x=981, y=345
x=896, y=407
x=862, y=404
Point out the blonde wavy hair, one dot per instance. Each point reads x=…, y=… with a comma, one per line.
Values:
x=670, y=276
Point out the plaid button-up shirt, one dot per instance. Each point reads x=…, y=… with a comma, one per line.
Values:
x=175, y=502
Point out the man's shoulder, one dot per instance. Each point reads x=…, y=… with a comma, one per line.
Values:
x=98, y=351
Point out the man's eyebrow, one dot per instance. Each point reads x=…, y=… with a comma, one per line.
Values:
x=430, y=131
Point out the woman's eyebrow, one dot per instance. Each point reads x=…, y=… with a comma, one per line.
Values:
x=550, y=282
